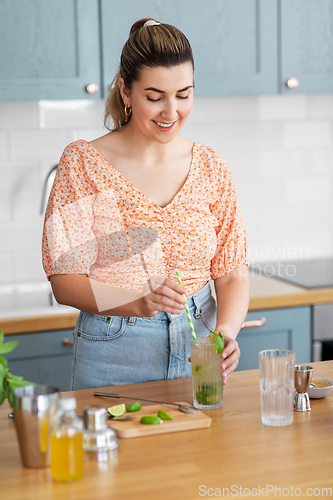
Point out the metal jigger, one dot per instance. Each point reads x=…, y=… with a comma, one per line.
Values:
x=303, y=375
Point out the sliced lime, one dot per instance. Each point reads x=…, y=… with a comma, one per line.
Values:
x=117, y=410
x=164, y=415
x=217, y=340
x=151, y=420
x=133, y=407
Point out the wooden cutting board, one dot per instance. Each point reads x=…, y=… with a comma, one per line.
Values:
x=181, y=422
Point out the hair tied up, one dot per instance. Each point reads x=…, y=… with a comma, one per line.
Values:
x=150, y=22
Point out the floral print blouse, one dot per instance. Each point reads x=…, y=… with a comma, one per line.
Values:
x=98, y=224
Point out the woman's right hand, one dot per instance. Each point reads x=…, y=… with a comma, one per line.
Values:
x=162, y=294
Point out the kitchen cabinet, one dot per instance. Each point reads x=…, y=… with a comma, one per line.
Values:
x=43, y=357
x=49, y=49
x=70, y=49
x=307, y=45
x=285, y=328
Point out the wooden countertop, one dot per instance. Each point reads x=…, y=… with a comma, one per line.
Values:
x=265, y=293
x=272, y=293
x=237, y=451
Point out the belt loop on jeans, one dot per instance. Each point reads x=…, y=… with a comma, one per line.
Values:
x=131, y=320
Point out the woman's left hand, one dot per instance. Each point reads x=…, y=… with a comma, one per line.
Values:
x=230, y=355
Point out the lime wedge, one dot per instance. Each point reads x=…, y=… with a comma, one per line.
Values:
x=151, y=420
x=217, y=340
x=133, y=407
x=117, y=410
x=164, y=415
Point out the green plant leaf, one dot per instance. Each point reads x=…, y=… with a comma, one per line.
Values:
x=8, y=346
x=2, y=394
x=14, y=384
x=3, y=361
x=3, y=372
x=14, y=378
x=8, y=381
x=10, y=397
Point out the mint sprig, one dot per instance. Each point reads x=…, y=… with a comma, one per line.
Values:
x=8, y=381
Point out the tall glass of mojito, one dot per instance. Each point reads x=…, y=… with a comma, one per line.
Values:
x=207, y=382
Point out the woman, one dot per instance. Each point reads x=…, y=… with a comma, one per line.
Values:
x=129, y=209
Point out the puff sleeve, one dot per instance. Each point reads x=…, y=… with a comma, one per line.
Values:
x=69, y=245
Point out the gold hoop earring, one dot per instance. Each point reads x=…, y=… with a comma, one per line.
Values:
x=128, y=110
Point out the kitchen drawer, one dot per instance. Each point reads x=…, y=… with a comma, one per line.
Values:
x=285, y=328
x=41, y=344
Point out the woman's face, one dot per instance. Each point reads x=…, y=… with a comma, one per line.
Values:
x=161, y=101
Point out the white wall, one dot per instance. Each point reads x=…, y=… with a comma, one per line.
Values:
x=279, y=148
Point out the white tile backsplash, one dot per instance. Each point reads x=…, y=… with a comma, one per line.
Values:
x=279, y=148
x=307, y=189
x=210, y=110
x=19, y=175
x=21, y=235
x=276, y=108
x=4, y=151
x=28, y=266
x=36, y=144
x=25, y=205
x=308, y=134
x=322, y=160
x=283, y=163
x=321, y=106
x=320, y=215
x=5, y=204
x=6, y=267
x=88, y=134
x=18, y=116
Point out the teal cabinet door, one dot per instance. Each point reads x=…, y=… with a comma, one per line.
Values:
x=307, y=45
x=43, y=357
x=288, y=328
x=234, y=41
x=49, y=49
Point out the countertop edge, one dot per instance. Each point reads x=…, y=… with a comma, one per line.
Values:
x=38, y=323
x=308, y=298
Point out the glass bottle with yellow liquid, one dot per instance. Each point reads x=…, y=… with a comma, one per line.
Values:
x=67, y=455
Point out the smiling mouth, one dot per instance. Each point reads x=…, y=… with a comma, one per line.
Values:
x=165, y=126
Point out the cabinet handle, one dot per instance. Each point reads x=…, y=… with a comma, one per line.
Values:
x=92, y=88
x=67, y=342
x=254, y=324
x=292, y=83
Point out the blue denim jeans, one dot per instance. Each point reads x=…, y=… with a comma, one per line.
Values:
x=120, y=350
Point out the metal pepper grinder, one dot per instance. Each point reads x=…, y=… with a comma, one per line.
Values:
x=303, y=376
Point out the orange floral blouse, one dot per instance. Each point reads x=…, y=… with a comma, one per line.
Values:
x=98, y=224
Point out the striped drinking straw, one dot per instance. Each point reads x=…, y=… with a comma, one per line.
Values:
x=187, y=310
